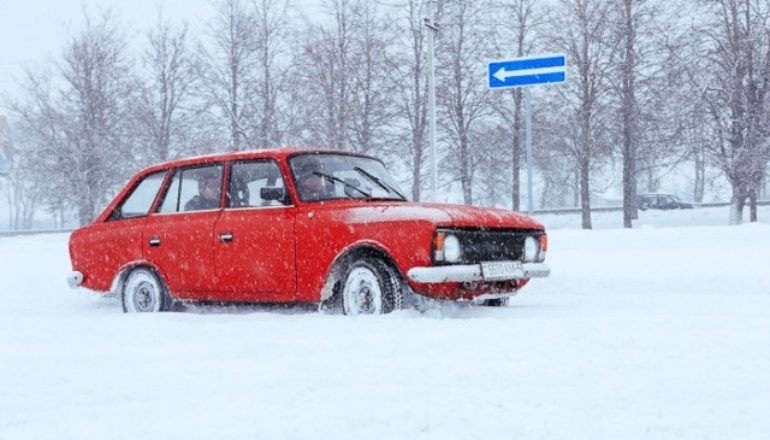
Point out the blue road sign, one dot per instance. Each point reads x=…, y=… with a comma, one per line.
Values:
x=529, y=71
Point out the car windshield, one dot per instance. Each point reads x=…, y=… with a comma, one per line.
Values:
x=325, y=176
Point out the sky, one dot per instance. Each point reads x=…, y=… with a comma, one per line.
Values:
x=33, y=31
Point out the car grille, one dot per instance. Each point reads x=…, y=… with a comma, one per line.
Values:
x=491, y=245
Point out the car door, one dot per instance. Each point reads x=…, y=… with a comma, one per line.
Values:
x=111, y=245
x=178, y=237
x=254, y=248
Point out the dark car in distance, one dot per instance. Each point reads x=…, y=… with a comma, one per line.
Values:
x=660, y=201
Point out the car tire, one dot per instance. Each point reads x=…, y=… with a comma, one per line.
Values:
x=370, y=287
x=144, y=292
x=496, y=302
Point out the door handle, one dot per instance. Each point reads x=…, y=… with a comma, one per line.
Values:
x=154, y=241
x=226, y=237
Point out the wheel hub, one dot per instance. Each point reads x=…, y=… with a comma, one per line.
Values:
x=144, y=299
x=362, y=292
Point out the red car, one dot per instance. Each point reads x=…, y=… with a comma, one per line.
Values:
x=297, y=226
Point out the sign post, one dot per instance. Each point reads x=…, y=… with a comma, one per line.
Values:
x=525, y=72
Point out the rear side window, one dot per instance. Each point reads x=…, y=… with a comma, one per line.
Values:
x=194, y=189
x=139, y=202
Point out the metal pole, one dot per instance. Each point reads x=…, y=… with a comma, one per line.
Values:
x=432, y=101
x=528, y=117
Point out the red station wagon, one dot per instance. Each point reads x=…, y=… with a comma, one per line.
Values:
x=298, y=226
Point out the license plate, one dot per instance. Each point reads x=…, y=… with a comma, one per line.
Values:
x=501, y=270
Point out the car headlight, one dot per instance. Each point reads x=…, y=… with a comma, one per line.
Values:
x=531, y=249
x=452, y=249
x=543, y=248
x=446, y=247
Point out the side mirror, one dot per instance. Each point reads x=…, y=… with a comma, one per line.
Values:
x=278, y=194
x=116, y=214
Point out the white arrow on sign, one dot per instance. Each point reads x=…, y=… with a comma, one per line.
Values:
x=503, y=74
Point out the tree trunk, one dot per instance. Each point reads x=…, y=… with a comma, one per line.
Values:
x=585, y=194
x=753, y=206
x=465, y=171
x=736, y=207
x=629, y=198
x=700, y=176
x=628, y=113
x=416, y=172
x=576, y=189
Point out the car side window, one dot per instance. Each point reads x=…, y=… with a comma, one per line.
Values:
x=256, y=183
x=139, y=202
x=193, y=189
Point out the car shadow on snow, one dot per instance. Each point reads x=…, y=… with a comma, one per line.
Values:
x=206, y=307
x=422, y=308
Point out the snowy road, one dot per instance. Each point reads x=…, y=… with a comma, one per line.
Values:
x=653, y=333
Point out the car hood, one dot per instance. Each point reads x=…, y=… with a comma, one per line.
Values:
x=462, y=216
x=473, y=216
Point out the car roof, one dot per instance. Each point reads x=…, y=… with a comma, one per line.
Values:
x=273, y=153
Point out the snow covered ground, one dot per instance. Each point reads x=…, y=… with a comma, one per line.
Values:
x=659, y=332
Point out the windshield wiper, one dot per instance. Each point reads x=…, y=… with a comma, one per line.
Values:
x=337, y=179
x=379, y=182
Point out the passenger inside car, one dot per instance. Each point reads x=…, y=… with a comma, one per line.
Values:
x=208, y=195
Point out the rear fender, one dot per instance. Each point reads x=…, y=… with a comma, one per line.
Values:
x=120, y=278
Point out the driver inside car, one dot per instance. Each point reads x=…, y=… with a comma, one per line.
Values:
x=310, y=181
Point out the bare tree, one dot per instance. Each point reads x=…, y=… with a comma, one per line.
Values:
x=164, y=115
x=583, y=29
x=737, y=95
x=464, y=99
x=79, y=129
x=342, y=75
x=372, y=102
x=271, y=27
x=227, y=65
x=408, y=66
x=518, y=25
x=325, y=69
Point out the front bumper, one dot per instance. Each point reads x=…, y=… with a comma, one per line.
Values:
x=74, y=279
x=465, y=273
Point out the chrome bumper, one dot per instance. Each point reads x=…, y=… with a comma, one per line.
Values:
x=463, y=273
x=74, y=279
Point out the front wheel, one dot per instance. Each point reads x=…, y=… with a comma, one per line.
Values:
x=144, y=292
x=370, y=287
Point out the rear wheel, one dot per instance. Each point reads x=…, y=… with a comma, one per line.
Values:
x=370, y=287
x=144, y=292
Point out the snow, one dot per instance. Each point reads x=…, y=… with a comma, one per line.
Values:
x=658, y=332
